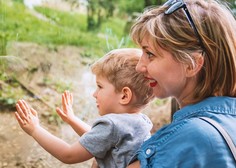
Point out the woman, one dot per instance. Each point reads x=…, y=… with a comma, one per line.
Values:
x=189, y=53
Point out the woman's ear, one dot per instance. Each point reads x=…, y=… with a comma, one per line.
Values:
x=193, y=70
x=126, y=96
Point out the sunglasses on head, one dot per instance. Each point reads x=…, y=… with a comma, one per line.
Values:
x=175, y=5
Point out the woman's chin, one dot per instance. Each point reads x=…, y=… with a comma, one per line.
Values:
x=158, y=93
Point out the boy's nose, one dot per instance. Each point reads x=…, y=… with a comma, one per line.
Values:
x=95, y=94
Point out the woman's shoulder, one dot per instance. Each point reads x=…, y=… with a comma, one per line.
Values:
x=181, y=141
x=192, y=131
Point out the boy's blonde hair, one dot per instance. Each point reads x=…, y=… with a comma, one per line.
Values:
x=118, y=66
x=173, y=33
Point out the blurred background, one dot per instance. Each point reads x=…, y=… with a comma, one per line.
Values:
x=46, y=47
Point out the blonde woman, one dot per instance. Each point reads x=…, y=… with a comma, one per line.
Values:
x=189, y=53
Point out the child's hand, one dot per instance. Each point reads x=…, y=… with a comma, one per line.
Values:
x=67, y=113
x=27, y=117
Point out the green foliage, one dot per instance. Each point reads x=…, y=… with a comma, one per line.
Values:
x=20, y=1
x=68, y=20
x=98, y=11
x=51, y=28
x=10, y=92
x=116, y=42
x=60, y=86
x=58, y=28
x=3, y=43
x=116, y=25
x=131, y=6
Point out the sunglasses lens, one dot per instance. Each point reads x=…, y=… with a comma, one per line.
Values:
x=174, y=8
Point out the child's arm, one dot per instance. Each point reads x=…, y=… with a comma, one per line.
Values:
x=29, y=122
x=67, y=115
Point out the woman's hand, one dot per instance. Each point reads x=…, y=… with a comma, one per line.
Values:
x=27, y=117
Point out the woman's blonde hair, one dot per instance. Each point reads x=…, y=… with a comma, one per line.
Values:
x=217, y=28
x=118, y=66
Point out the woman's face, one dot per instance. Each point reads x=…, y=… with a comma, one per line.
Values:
x=167, y=76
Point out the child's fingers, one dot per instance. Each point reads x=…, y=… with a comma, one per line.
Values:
x=24, y=103
x=71, y=98
x=18, y=118
x=64, y=103
x=25, y=108
x=20, y=111
x=60, y=112
x=67, y=99
x=34, y=112
x=64, y=95
x=67, y=96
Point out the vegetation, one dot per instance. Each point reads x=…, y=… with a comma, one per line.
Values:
x=70, y=28
x=97, y=31
x=55, y=28
x=58, y=28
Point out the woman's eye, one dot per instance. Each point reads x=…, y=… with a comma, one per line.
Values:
x=149, y=54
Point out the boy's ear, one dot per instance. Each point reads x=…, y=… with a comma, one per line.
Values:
x=192, y=71
x=126, y=96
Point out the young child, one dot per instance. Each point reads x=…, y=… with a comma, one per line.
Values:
x=114, y=137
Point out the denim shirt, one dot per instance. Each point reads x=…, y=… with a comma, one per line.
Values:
x=189, y=142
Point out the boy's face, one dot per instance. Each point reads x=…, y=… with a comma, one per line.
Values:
x=106, y=98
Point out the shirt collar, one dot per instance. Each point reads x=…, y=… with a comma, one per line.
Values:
x=219, y=104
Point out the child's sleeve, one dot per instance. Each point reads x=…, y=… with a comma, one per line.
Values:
x=101, y=138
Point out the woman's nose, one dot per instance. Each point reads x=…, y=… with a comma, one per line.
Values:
x=141, y=66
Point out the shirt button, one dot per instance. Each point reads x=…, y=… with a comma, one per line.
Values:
x=148, y=151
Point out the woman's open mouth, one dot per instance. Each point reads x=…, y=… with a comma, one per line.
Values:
x=152, y=83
